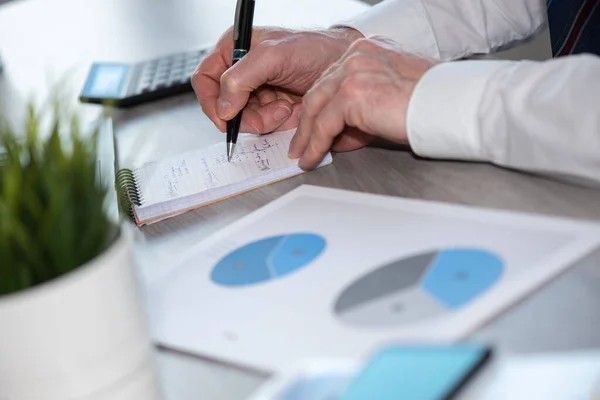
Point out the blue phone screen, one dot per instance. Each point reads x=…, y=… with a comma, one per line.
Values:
x=415, y=373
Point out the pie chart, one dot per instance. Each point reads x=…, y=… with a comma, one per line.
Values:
x=267, y=259
x=419, y=287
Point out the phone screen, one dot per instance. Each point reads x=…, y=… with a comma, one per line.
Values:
x=417, y=373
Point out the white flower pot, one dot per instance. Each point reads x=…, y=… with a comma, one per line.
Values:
x=82, y=336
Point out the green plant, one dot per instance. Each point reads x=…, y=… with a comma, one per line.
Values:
x=52, y=207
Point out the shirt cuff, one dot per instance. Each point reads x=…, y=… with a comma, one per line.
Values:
x=442, y=119
x=404, y=21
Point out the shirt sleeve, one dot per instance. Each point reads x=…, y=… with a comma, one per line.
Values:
x=452, y=29
x=540, y=117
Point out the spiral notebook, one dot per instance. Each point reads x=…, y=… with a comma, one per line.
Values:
x=172, y=186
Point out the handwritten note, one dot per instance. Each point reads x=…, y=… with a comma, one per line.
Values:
x=204, y=169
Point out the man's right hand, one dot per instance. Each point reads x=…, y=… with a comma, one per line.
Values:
x=272, y=78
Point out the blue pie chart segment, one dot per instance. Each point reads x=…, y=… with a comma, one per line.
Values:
x=294, y=252
x=267, y=259
x=457, y=276
x=418, y=287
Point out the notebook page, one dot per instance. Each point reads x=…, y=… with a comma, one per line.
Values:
x=159, y=211
x=173, y=179
x=273, y=176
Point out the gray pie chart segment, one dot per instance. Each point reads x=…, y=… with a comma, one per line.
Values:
x=404, y=307
x=385, y=281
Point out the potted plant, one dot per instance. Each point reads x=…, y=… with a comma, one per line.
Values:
x=72, y=325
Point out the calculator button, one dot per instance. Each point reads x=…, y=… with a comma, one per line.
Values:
x=162, y=69
x=147, y=76
x=149, y=69
x=144, y=86
x=145, y=79
x=158, y=85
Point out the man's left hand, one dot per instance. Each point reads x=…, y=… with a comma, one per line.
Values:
x=368, y=89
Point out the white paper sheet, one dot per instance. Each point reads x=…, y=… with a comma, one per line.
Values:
x=295, y=296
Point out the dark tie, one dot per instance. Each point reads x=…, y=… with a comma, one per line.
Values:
x=574, y=26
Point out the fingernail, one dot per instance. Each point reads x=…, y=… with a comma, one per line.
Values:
x=247, y=127
x=223, y=107
x=281, y=113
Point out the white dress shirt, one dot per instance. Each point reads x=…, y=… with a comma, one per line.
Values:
x=540, y=117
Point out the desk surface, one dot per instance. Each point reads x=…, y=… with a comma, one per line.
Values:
x=50, y=39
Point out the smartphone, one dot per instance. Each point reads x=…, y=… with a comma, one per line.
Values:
x=418, y=372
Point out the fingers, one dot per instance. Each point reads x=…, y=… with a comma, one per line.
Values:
x=325, y=89
x=293, y=120
x=205, y=82
x=257, y=68
x=265, y=95
x=312, y=104
x=334, y=109
x=327, y=125
x=266, y=118
x=206, y=79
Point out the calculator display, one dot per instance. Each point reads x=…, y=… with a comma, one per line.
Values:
x=106, y=80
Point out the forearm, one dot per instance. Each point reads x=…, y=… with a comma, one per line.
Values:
x=448, y=30
x=541, y=117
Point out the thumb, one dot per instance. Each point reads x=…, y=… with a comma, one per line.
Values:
x=261, y=65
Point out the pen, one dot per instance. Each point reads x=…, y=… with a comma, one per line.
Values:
x=242, y=37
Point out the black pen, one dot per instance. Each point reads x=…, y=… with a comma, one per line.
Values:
x=242, y=38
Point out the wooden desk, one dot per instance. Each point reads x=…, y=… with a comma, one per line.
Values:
x=61, y=37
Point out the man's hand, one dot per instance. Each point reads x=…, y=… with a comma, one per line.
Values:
x=368, y=89
x=277, y=71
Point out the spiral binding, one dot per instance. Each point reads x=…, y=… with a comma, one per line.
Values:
x=129, y=191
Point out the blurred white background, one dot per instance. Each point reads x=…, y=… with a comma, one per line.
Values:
x=539, y=49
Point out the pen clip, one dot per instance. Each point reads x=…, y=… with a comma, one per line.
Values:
x=236, y=23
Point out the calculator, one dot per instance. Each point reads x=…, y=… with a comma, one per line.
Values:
x=128, y=84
